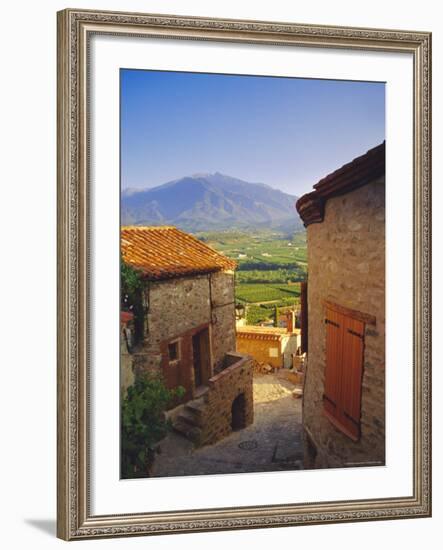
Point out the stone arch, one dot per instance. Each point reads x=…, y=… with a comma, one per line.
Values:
x=238, y=412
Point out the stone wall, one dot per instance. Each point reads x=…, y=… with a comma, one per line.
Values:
x=223, y=315
x=181, y=372
x=260, y=346
x=173, y=307
x=224, y=388
x=176, y=309
x=289, y=346
x=346, y=259
x=260, y=349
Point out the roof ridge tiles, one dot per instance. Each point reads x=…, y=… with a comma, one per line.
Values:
x=162, y=252
x=352, y=175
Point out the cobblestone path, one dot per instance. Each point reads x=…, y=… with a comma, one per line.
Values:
x=272, y=443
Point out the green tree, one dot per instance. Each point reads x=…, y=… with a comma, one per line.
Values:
x=276, y=316
x=144, y=422
x=130, y=278
x=131, y=296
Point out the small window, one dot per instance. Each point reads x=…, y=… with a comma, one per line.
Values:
x=174, y=351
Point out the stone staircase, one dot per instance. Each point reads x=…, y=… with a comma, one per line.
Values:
x=189, y=421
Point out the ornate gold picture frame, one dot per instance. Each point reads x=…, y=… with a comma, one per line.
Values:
x=75, y=518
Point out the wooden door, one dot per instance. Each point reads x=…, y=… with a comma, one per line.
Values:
x=171, y=374
x=201, y=357
x=196, y=351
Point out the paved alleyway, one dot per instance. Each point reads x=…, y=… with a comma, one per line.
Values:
x=272, y=443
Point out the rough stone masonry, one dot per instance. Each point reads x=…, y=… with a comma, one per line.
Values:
x=346, y=258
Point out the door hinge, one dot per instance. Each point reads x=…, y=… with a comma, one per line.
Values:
x=355, y=333
x=349, y=417
x=333, y=323
x=325, y=397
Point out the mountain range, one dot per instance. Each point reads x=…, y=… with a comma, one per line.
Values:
x=209, y=202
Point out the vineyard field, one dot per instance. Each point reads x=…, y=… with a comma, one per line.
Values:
x=270, y=267
x=268, y=292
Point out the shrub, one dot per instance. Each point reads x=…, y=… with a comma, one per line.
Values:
x=131, y=297
x=144, y=423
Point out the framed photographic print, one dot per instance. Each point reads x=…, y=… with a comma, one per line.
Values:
x=244, y=274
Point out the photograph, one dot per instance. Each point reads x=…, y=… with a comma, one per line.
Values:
x=218, y=298
x=252, y=273
x=244, y=286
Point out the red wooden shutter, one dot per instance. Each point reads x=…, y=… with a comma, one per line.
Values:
x=353, y=338
x=334, y=337
x=343, y=372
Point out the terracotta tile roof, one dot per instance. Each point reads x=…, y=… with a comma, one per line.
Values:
x=361, y=171
x=165, y=252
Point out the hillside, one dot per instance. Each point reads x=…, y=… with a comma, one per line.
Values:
x=205, y=202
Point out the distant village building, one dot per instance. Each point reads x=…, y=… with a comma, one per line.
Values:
x=188, y=329
x=344, y=389
x=288, y=318
x=274, y=346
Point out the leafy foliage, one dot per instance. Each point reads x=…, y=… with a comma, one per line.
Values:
x=258, y=314
x=269, y=263
x=262, y=250
x=131, y=296
x=276, y=316
x=144, y=422
x=278, y=276
x=130, y=279
x=264, y=292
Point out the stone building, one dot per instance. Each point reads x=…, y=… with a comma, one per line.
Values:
x=188, y=329
x=275, y=346
x=344, y=389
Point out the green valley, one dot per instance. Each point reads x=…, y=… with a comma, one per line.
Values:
x=270, y=267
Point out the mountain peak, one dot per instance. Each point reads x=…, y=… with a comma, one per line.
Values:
x=201, y=175
x=210, y=202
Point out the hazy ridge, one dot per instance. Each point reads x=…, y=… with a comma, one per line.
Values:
x=205, y=202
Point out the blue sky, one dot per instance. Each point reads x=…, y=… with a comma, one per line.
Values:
x=286, y=132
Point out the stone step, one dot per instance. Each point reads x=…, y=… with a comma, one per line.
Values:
x=190, y=418
x=201, y=391
x=193, y=433
x=196, y=406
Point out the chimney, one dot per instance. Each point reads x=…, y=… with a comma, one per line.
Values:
x=290, y=321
